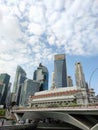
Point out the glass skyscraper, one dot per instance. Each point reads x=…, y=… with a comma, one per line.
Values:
x=4, y=80
x=60, y=71
x=29, y=88
x=18, y=83
x=41, y=75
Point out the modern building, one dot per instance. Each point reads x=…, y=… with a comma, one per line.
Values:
x=79, y=76
x=4, y=81
x=30, y=87
x=20, y=77
x=2, y=88
x=53, y=81
x=69, y=81
x=41, y=75
x=60, y=71
x=8, y=99
x=80, y=81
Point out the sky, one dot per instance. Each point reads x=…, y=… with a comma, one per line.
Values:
x=33, y=31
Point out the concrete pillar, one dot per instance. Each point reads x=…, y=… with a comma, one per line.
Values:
x=95, y=127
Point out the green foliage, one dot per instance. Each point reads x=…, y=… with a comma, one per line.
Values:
x=2, y=112
x=52, y=105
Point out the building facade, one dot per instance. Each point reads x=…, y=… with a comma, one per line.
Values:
x=8, y=99
x=79, y=76
x=2, y=89
x=69, y=81
x=41, y=75
x=29, y=88
x=20, y=77
x=80, y=81
x=4, y=80
x=59, y=97
x=60, y=71
x=53, y=81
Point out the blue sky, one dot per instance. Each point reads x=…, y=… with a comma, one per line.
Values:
x=33, y=31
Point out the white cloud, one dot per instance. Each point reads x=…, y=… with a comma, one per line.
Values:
x=36, y=14
x=9, y=26
x=33, y=31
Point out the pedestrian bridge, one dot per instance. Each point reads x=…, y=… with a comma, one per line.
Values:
x=81, y=118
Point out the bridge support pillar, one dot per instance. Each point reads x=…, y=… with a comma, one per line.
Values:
x=95, y=127
x=66, y=118
x=18, y=117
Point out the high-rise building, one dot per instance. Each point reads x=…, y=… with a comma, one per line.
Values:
x=41, y=75
x=79, y=76
x=60, y=70
x=4, y=80
x=30, y=87
x=80, y=82
x=53, y=81
x=20, y=77
x=69, y=81
x=2, y=88
x=8, y=99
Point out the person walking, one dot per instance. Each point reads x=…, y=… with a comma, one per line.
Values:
x=2, y=122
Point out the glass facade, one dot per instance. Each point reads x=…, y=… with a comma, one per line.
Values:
x=60, y=72
x=41, y=75
x=29, y=88
x=4, y=79
x=20, y=77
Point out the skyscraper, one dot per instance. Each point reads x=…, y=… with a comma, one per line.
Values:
x=53, y=81
x=2, y=88
x=18, y=83
x=60, y=70
x=8, y=99
x=79, y=76
x=69, y=81
x=4, y=79
x=81, y=83
x=30, y=87
x=41, y=75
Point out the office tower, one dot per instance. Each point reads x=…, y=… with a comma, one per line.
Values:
x=2, y=88
x=69, y=81
x=79, y=75
x=4, y=80
x=30, y=87
x=80, y=82
x=60, y=70
x=18, y=83
x=41, y=75
x=53, y=82
x=8, y=99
